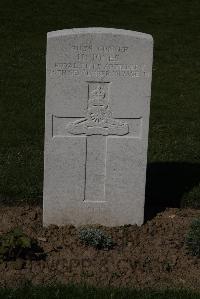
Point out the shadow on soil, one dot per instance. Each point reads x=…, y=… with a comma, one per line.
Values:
x=167, y=183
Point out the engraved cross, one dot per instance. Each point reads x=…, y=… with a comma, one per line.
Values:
x=96, y=126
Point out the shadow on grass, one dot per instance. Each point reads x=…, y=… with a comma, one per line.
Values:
x=171, y=184
x=168, y=184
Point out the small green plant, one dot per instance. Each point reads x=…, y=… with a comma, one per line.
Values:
x=95, y=238
x=15, y=244
x=192, y=240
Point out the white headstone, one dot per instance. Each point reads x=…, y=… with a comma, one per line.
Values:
x=98, y=86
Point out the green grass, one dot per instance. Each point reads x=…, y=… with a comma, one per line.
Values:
x=174, y=142
x=83, y=292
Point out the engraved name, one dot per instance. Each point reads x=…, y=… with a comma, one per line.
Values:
x=98, y=61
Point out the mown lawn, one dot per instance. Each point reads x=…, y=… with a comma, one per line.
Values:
x=83, y=292
x=174, y=140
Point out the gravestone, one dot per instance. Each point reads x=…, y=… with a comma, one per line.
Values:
x=98, y=86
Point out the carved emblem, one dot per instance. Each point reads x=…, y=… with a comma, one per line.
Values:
x=99, y=119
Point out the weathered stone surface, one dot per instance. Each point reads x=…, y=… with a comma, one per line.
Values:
x=98, y=86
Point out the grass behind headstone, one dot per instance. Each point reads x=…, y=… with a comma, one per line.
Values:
x=174, y=121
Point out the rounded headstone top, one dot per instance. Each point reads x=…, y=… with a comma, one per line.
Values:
x=99, y=30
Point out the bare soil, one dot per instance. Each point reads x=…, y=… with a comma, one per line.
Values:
x=153, y=255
